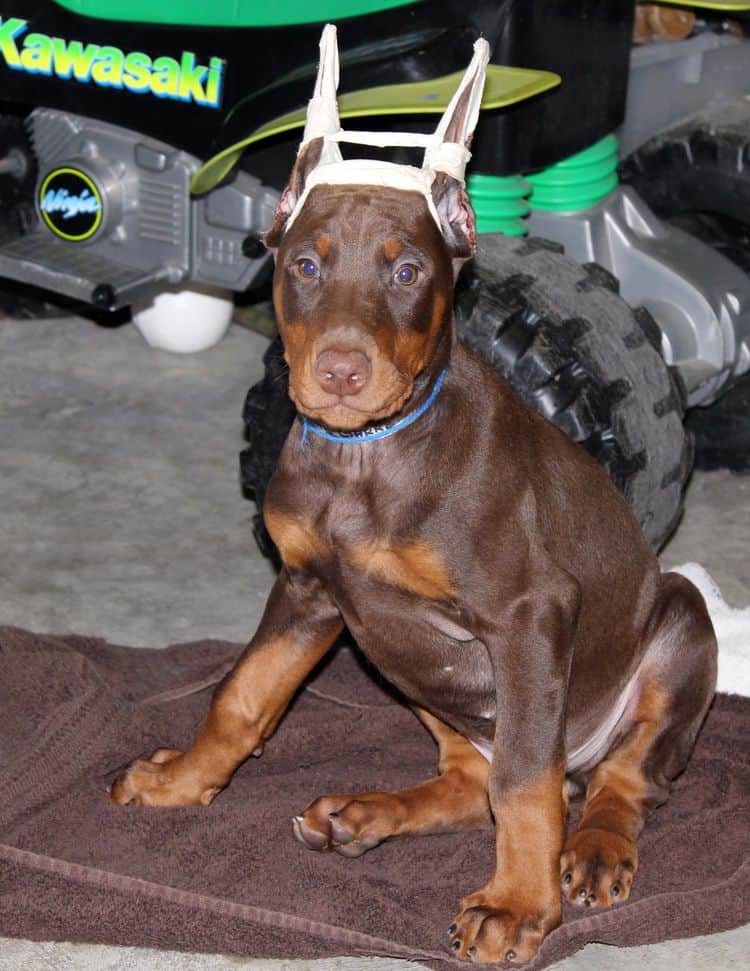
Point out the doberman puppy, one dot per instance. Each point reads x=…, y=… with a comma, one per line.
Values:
x=482, y=561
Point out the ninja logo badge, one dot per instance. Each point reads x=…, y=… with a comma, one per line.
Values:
x=70, y=204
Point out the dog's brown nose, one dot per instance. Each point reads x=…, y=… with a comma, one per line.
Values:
x=342, y=372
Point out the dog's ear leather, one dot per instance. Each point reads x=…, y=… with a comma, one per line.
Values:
x=322, y=119
x=457, y=219
x=456, y=129
x=307, y=160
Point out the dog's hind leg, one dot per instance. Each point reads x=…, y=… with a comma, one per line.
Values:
x=675, y=685
x=456, y=799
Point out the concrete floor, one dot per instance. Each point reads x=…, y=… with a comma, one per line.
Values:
x=123, y=517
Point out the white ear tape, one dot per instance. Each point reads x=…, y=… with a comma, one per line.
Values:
x=323, y=110
x=450, y=157
x=453, y=156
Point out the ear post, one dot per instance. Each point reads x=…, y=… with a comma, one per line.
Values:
x=440, y=179
x=322, y=110
x=447, y=158
x=315, y=149
x=450, y=153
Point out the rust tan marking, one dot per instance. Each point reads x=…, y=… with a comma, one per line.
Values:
x=392, y=248
x=411, y=351
x=384, y=395
x=455, y=800
x=617, y=790
x=414, y=350
x=412, y=565
x=602, y=852
x=520, y=903
x=250, y=703
x=263, y=683
x=438, y=310
x=322, y=245
x=458, y=797
x=244, y=712
x=530, y=826
x=277, y=292
x=295, y=338
x=296, y=538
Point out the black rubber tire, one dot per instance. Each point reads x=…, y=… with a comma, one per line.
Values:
x=570, y=347
x=722, y=431
x=268, y=414
x=701, y=166
x=697, y=176
x=727, y=236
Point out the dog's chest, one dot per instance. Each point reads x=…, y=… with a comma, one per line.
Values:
x=361, y=540
x=396, y=593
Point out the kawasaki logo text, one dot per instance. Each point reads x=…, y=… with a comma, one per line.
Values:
x=109, y=67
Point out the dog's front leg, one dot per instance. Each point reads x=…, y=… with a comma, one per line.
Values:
x=300, y=623
x=508, y=918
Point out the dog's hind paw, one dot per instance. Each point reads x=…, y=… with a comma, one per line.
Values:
x=349, y=825
x=597, y=868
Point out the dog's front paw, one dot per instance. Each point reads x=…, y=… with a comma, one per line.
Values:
x=163, y=780
x=494, y=925
x=597, y=868
x=349, y=825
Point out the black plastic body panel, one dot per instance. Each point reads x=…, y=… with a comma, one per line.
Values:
x=269, y=71
x=586, y=42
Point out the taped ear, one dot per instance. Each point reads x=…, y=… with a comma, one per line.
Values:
x=449, y=152
x=440, y=179
x=457, y=220
x=448, y=158
x=462, y=114
x=307, y=160
x=322, y=119
x=322, y=109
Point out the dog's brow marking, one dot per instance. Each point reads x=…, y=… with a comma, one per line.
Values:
x=296, y=539
x=392, y=248
x=414, y=566
x=322, y=245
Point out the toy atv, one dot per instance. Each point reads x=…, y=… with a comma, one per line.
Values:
x=143, y=148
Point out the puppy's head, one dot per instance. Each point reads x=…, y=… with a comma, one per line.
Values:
x=363, y=291
x=367, y=253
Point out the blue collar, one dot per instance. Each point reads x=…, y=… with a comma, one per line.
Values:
x=373, y=434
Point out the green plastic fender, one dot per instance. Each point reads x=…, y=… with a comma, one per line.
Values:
x=727, y=5
x=504, y=86
x=228, y=13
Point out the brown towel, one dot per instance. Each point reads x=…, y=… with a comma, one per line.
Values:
x=232, y=879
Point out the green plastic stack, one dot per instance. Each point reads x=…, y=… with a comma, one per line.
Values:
x=579, y=181
x=500, y=203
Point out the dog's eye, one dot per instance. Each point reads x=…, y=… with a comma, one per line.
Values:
x=406, y=274
x=307, y=269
